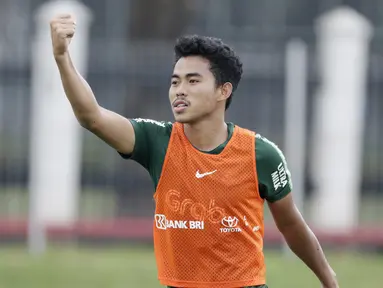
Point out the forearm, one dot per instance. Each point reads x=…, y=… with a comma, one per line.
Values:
x=305, y=245
x=78, y=92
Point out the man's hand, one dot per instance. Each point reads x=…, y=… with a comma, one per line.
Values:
x=334, y=283
x=63, y=28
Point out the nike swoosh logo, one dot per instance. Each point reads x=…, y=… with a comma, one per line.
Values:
x=201, y=175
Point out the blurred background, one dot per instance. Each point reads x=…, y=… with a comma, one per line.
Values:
x=73, y=212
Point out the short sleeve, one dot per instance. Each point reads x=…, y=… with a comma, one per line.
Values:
x=149, y=136
x=273, y=174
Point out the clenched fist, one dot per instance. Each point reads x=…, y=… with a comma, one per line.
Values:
x=63, y=28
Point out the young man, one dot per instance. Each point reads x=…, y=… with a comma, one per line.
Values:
x=211, y=177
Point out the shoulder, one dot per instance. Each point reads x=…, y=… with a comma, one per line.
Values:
x=267, y=150
x=272, y=168
x=149, y=133
x=155, y=125
x=151, y=121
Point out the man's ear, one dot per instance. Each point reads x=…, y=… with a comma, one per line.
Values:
x=226, y=91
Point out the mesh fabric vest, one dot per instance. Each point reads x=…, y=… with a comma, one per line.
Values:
x=208, y=228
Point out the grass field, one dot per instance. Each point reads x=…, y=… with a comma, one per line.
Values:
x=135, y=267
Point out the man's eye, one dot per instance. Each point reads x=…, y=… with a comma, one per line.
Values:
x=193, y=81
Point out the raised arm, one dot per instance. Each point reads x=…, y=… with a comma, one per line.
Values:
x=114, y=129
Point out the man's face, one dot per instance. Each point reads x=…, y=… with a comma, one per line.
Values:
x=193, y=93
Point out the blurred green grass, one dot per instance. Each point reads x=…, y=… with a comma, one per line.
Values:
x=135, y=267
x=63, y=267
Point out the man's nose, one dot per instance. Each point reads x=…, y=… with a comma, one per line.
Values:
x=181, y=94
x=181, y=91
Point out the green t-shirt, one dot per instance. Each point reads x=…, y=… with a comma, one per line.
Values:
x=152, y=139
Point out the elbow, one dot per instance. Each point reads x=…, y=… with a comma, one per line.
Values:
x=89, y=122
x=89, y=119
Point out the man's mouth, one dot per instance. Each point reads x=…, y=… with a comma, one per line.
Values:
x=180, y=105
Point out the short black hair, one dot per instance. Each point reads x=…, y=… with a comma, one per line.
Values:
x=225, y=65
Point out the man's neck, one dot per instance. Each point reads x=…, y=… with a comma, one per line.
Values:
x=207, y=134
